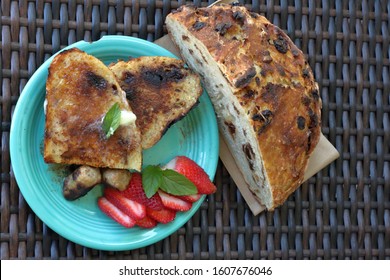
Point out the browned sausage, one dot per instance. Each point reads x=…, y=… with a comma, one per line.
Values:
x=117, y=178
x=81, y=181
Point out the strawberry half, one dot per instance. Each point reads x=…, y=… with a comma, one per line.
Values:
x=193, y=172
x=146, y=222
x=114, y=213
x=136, y=192
x=130, y=207
x=163, y=216
x=191, y=197
x=174, y=202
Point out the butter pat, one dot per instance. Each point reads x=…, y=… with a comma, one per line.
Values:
x=45, y=106
x=127, y=117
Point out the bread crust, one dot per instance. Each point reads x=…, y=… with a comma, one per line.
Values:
x=80, y=90
x=160, y=90
x=270, y=80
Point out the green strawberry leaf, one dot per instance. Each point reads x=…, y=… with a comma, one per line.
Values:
x=151, y=179
x=176, y=183
x=111, y=120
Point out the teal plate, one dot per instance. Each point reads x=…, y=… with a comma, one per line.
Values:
x=81, y=221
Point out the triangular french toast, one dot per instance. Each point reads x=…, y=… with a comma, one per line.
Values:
x=80, y=90
x=160, y=90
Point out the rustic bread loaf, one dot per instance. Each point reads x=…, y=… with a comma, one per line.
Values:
x=160, y=90
x=263, y=91
x=80, y=90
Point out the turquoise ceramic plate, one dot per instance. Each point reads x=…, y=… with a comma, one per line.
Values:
x=195, y=136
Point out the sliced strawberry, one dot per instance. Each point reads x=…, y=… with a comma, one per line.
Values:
x=146, y=222
x=193, y=172
x=114, y=213
x=136, y=192
x=191, y=198
x=130, y=207
x=163, y=216
x=174, y=202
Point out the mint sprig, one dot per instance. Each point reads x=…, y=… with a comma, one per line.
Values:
x=168, y=180
x=111, y=120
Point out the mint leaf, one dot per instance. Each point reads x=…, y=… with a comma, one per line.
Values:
x=111, y=120
x=176, y=183
x=170, y=181
x=151, y=179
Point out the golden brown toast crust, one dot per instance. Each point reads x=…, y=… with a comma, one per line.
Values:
x=271, y=80
x=80, y=90
x=160, y=91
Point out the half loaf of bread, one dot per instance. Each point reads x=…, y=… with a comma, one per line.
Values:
x=263, y=91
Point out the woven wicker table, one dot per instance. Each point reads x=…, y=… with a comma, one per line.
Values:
x=343, y=212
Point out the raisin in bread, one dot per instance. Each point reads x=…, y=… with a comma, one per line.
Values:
x=263, y=91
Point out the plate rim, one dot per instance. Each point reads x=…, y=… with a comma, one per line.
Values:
x=23, y=98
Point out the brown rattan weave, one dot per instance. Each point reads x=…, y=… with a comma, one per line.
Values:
x=343, y=212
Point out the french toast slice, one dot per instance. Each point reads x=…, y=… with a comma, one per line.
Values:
x=80, y=89
x=160, y=90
